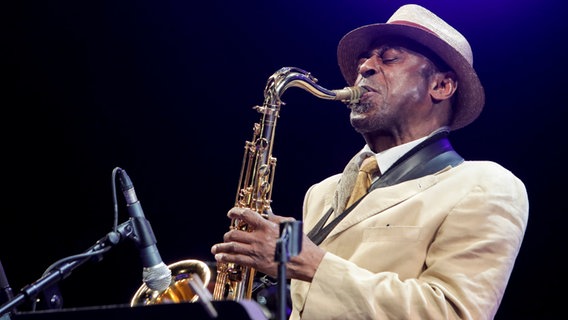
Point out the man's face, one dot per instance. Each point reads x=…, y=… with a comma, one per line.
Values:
x=398, y=80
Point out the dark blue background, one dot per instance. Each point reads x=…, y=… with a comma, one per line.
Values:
x=165, y=90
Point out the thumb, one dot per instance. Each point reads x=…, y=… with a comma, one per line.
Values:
x=276, y=218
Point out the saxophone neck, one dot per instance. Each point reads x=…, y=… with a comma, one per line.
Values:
x=288, y=77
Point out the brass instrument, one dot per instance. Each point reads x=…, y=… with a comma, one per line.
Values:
x=180, y=290
x=235, y=282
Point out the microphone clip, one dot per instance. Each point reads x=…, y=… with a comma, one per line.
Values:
x=142, y=233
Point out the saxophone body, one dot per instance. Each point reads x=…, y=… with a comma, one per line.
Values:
x=233, y=281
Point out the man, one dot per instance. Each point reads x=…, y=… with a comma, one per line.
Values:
x=435, y=237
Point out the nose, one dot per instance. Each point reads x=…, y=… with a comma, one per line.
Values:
x=369, y=67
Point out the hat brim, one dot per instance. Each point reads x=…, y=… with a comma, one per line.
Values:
x=470, y=93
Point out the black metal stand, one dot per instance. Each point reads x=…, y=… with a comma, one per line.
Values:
x=288, y=245
x=51, y=278
x=227, y=310
x=6, y=293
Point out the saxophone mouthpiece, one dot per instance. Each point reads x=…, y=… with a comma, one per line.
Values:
x=350, y=95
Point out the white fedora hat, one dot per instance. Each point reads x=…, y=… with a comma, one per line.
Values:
x=424, y=27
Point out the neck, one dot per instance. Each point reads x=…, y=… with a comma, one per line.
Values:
x=379, y=141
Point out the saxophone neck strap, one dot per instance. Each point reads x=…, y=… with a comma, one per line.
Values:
x=429, y=157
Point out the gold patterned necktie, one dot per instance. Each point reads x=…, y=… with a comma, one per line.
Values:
x=367, y=169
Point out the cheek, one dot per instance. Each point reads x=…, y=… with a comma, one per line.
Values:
x=407, y=89
x=416, y=93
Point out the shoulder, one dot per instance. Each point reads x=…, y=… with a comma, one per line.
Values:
x=491, y=179
x=487, y=171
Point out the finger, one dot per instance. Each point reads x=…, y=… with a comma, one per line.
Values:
x=230, y=248
x=279, y=219
x=236, y=235
x=248, y=216
x=268, y=213
x=276, y=218
x=234, y=258
x=231, y=252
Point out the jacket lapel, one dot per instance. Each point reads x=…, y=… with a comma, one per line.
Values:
x=412, y=173
x=381, y=199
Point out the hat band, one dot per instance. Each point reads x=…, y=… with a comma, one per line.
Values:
x=413, y=24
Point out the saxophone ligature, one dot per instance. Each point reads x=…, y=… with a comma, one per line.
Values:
x=233, y=281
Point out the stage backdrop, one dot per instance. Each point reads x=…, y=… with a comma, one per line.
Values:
x=166, y=89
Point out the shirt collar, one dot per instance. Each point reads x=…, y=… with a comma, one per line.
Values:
x=387, y=158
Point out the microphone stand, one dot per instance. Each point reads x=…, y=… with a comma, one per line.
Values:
x=29, y=292
x=288, y=245
x=6, y=293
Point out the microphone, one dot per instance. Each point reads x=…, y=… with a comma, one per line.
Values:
x=156, y=275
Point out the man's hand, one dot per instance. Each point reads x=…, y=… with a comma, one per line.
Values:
x=257, y=249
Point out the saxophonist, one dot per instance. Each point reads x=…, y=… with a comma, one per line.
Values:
x=434, y=236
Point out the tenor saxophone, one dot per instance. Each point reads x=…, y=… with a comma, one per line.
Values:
x=233, y=281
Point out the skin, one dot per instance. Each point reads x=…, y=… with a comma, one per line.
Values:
x=408, y=99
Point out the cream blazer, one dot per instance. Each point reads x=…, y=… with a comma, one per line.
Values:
x=439, y=247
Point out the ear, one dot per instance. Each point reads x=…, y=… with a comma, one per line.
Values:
x=443, y=85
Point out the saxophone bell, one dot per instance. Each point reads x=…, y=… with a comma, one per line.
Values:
x=184, y=272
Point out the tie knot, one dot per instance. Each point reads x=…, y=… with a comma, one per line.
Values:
x=364, y=178
x=369, y=165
